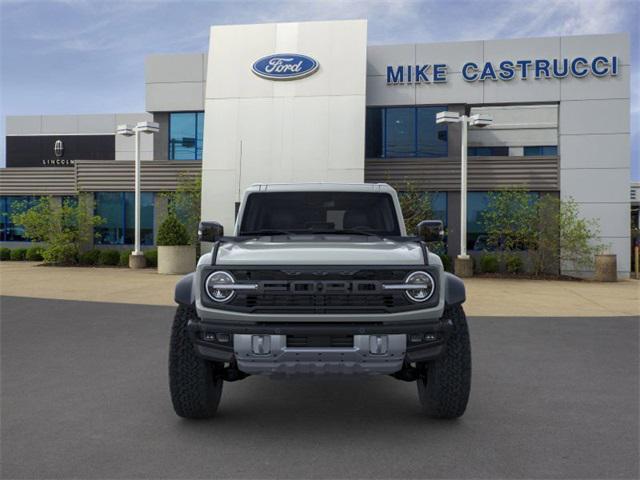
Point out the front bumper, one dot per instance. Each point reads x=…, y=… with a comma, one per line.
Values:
x=358, y=357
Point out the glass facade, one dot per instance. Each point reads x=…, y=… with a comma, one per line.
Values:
x=117, y=209
x=185, y=135
x=9, y=232
x=541, y=151
x=488, y=151
x=393, y=132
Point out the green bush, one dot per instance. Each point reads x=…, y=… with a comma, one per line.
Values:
x=90, y=257
x=34, y=254
x=18, y=254
x=152, y=258
x=513, y=263
x=61, y=254
x=109, y=257
x=124, y=258
x=5, y=254
x=489, y=263
x=172, y=232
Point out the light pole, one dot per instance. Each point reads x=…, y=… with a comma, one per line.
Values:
x=136, y=259
x=463, y=264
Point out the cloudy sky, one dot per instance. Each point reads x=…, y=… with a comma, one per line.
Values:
x=84, y=56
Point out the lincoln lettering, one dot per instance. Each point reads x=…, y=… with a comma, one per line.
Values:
x=506, y=70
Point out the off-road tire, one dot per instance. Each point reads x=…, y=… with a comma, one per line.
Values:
x=444, y=384
x=195, y=383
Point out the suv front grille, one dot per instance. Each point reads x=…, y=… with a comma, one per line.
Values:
x=318, y=289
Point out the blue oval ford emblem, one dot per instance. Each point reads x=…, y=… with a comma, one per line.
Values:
x=284, y=66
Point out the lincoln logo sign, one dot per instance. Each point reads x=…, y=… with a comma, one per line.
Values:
x=505, y=70
x=58, y=148
x=285, y=66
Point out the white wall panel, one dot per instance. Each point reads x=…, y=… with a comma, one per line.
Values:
x=379, y=56
x=174, y=97
x=453, y=54
x=600, y=185
x=594, y=117
x=455, y=90
x=259, y=130
x=174, y=68
x=23, y=125
x=595, y=151
x=58, y=124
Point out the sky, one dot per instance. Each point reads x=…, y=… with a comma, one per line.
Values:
x=87, y=56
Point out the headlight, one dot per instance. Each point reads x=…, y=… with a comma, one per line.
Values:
x=425, y=286
x=214, y=286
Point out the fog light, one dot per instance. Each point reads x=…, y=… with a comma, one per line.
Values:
x=430, y=337
x=209, y=337
x=378, y=344
x=261, y=344
x=415, y=338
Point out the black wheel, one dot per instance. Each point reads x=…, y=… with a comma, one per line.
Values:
x=195, y=383
x=444, y=384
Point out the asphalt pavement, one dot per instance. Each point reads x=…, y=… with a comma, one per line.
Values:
x=85, y=395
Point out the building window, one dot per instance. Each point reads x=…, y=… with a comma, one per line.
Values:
x=185, y=135
x=488, y=151
x=541, y=151
x=439, y=206
x=394, y=132
x=11, y=232
x=117, y=209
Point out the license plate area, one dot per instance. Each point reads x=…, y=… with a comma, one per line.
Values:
x=320, y=341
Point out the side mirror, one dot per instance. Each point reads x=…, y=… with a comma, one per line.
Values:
x=210, y=231
x=430, y=230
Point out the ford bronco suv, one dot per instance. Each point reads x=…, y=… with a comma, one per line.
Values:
x=320, y=279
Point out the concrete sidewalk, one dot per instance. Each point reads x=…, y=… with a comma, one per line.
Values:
x=485, y=297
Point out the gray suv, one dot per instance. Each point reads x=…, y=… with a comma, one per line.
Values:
x=320, y=279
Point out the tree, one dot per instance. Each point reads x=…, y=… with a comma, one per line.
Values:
x=184, y=203
x=563, y=237
x=416, y=206
x=63, y=227
x=510, y=219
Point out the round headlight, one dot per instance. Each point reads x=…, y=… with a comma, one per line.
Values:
x=425, y=286
x=214, y=286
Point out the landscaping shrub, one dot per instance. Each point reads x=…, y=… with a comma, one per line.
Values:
x=34, y=254
x=61, y=254
x=172, y=232
x=109, y=257
x=124, y=258
x=489, y=263
x=90, y=257
x=5, y=254
x=446, y=261
x=152, y=258
x=18, y=254
x=64, y=227
x=513, y=263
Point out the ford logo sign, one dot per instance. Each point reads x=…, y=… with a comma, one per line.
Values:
x=285, y=66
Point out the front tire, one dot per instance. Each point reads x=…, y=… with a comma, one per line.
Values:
x=195, y=383
x=444, y=384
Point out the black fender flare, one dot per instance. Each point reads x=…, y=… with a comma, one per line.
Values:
x=184, y=293
x=455, y=292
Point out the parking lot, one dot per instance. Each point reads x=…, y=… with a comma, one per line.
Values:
x=84, y=395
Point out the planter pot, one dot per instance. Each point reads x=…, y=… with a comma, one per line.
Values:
x=178, y=259
x=606, y=268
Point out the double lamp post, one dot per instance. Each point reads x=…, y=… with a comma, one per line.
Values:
x=463, y=263
x=136, y=259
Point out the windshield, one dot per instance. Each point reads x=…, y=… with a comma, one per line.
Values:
x=319, y=212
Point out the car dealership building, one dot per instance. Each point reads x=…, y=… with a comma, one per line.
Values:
x=312, y=101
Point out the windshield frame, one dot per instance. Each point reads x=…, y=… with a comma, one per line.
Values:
x=397, y=220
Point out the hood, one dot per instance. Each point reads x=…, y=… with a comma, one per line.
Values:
x=324, y=250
